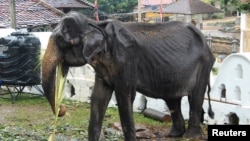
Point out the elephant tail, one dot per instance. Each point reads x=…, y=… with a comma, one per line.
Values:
x=210, y=65
x=210, y=111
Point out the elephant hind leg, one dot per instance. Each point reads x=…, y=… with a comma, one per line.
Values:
x=194, y=129
x=193, y=132
x=178, y=124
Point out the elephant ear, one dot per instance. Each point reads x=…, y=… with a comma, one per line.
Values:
x=93, y=43
x=120, y=38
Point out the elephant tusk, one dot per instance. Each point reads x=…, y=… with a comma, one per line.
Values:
x=75, y=41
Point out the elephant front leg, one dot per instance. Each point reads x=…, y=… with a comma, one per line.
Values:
x=178, y=124
x=125, y=104
x=99, y=101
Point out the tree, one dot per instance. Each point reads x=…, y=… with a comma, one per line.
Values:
x=116, y=6
x=244, y=6
x=229, y=5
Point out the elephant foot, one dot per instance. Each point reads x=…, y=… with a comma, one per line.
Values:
x=174, y=132
x=193, y=132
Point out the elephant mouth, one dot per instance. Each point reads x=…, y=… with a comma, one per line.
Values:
x=73, y=55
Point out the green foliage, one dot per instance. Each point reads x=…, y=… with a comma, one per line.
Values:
x=116, y=6
x=228, y=6
x=59, y=95
x=208, y=1
x=236, y=4
x=244, y=7
x=215, y=71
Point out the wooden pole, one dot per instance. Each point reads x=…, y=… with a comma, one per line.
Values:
x=156, y=115
x=139, y=10
x=12, y=13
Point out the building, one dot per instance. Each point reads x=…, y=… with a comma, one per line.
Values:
x=34, y=15
x=148, y=11
x=83, y=6
x=230, y=91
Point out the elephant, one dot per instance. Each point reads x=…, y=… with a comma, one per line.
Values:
x=161, y=60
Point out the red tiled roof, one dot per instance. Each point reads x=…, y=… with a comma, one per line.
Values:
x=70, y=3
x=29, y=12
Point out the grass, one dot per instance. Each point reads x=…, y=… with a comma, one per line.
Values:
x=31, y=118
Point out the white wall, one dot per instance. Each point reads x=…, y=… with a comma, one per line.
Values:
x=234, y=76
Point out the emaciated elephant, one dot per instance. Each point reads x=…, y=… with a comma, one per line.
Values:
x=162, y=60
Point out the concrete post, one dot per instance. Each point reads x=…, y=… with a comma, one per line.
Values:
x=245, y=32
x=188, y=18
x=199, y=21
x=139, y=10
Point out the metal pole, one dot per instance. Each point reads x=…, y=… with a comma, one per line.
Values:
x=12, y=13
x=209, y=41
x=161, y=15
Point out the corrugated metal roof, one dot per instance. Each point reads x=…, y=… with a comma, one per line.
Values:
x=29, y=13
x=155, y=2
x=190, y=7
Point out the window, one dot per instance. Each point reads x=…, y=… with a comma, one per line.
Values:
x=237, y=93
x=239, y=71
x=222, y=92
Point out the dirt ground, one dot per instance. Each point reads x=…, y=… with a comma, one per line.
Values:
x=33, y=121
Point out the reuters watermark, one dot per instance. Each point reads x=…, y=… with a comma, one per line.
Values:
x=225, y=131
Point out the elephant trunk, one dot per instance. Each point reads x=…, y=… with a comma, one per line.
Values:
x=51, y=59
